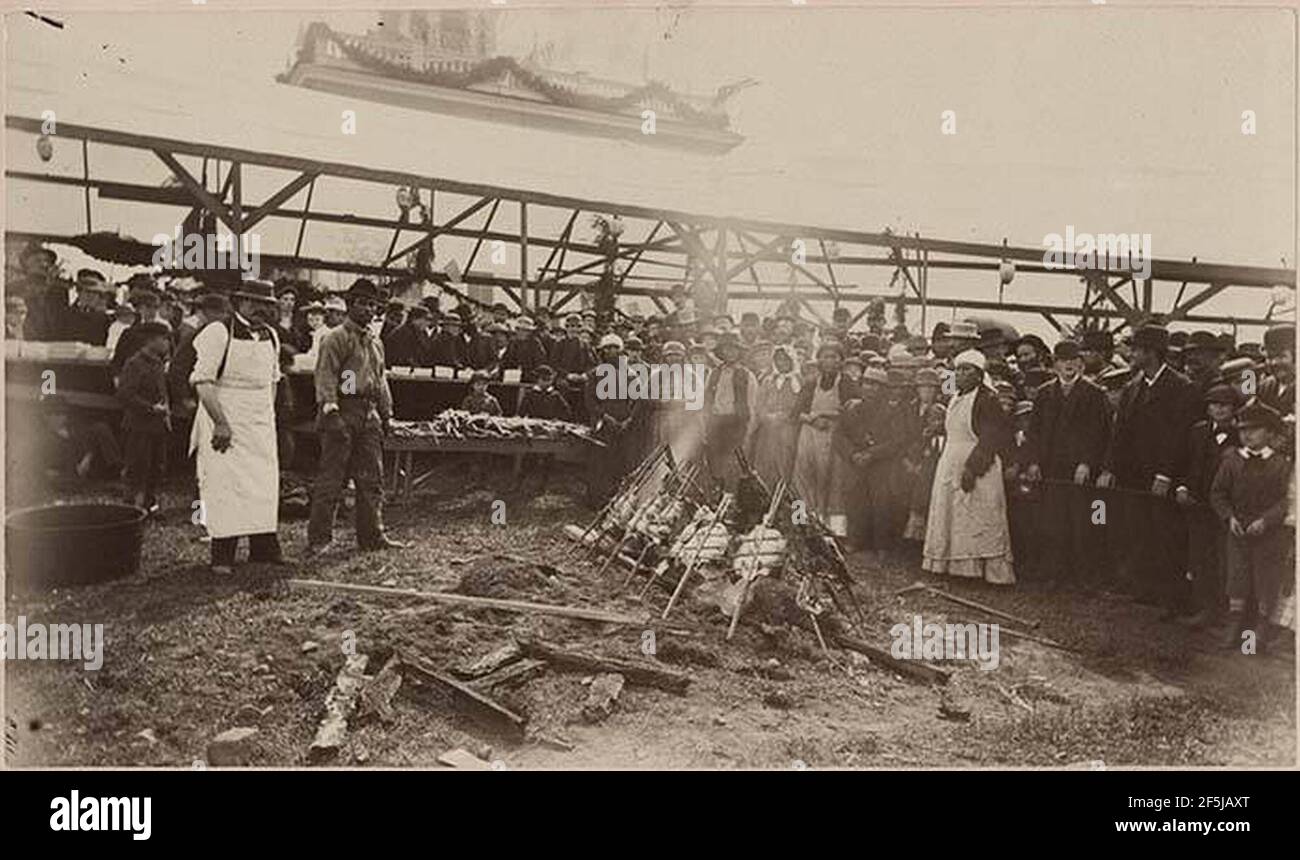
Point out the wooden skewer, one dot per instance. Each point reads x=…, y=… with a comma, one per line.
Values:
x=744, y=591
x=723, y=506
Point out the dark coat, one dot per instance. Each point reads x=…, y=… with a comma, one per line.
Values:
x=86, y=326
x=569, y=355
x=142, y=386
x=408, y=346
x=1068, y=430
x=993, y=431
x=1151, y=429
x=526, y=354
x=1272, y=393
x=1204, y=453
x=545, y=404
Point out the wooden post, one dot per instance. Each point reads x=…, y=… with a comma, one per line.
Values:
x=85, y=170
x=523, y=256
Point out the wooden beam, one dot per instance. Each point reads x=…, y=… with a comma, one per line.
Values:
x=1170, y=270
x=274, y=201
x=639, y=672
x=197, y=191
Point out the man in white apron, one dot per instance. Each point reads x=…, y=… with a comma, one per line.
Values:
x=235, y=372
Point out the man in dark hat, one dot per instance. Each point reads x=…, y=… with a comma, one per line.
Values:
x=1209, y=440
x=1249, y=494
x=1148, y=451
x=730, y=397
x=1201, y=356
x=751, y=328
x=1174, y=351
x=1069, y=431
x=614, y=421
x=236, y=369
x=1097, y=350
x=409, y=344
x=355, y=406
x=525, y=351
x=146, y=300
x=87, y=321
x=1277, y=389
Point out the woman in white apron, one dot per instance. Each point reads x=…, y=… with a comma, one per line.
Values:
x=966, y=530
x=235, y=373
x=773, y=447
x=819, y=467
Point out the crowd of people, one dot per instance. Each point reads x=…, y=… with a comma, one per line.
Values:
x=1159, y=461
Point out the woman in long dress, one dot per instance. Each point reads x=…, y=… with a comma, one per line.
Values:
x=776, y=430
x=966, y=531
x=819, y=464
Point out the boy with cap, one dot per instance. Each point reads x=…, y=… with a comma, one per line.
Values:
x=542, y=400
x=1249, y=493
x=146, y=420
x=1209, y=440
x=480, y=400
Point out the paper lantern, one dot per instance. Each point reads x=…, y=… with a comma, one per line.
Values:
x=1006, y=272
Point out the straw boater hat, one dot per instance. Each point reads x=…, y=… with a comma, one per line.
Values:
x=672, y=347
x=336, y=303
x=258, y=291
x=963, y=331
x=831, y=346
x=610, y=340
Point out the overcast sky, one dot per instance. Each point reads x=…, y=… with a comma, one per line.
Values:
x=1104, y=118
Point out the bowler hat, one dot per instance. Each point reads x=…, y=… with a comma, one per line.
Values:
x=1222, y=393
x=1151, y=336
x=364, y=288
x=1065, y=350
x=1257, y=414
x=1279, y=338
x=1202, y=340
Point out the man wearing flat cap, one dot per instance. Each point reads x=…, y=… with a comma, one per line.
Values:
x=1069, y=432
x=355, y=406
x=1148, y=451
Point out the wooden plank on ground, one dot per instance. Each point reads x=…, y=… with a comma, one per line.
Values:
x=912, y=668
x=512, y=675
x=463, y=698
x=489, y=662
x=521, y=606
x=638, y=672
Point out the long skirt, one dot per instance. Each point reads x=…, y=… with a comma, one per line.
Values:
x=819, y=473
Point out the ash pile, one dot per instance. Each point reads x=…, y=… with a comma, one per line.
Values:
x=755, y=552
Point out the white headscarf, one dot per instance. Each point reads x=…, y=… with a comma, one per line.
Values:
x=793, y=379
x=975, y=358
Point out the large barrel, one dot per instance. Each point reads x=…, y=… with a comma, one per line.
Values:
x=73, y=544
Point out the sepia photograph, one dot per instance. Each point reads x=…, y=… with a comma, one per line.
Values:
x=666, y=387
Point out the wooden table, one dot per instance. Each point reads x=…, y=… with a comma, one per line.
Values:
x=404, y=448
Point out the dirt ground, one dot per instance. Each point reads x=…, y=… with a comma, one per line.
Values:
x=189, y=655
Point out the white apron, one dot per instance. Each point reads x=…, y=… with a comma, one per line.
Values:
x=240, y=487
x=966, y=533
x=818, y=469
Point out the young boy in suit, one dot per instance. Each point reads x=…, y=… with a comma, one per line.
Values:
x=1250, y=495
